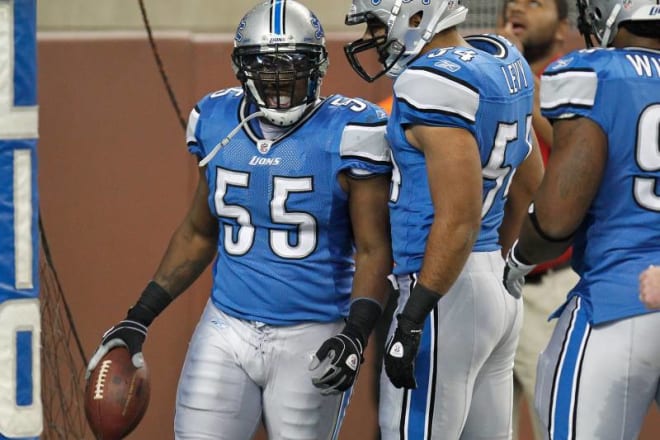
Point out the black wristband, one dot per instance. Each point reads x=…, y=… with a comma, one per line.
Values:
x=421, y=302
x=154, y=299
x=362, y=318
x=518, y=257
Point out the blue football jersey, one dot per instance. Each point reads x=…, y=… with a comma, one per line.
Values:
x=487, y=89
x=285, y=249
x=620, y=236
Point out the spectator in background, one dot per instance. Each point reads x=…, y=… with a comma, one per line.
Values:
x=649, y=287
x=539, y=29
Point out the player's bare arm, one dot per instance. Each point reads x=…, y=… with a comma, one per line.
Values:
x=571, y=180
x=337, y=362
x=524, y=184
x=371, y=229
x=451, y=156
x=190, y=250
x=192, y=246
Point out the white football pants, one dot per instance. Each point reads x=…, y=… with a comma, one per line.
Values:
x=464, y=368
x=237, y=371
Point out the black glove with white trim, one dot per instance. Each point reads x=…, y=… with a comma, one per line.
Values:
x=127, y=333
x=132, y=330
x=401, y=352
x=337, y=362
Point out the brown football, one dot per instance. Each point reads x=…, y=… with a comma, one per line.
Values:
x=116, y=395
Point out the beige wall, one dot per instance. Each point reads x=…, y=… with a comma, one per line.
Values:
x=193, y=15
x=216, y=16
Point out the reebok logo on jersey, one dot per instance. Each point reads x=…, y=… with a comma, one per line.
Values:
x=352, y=362
x=447, y=65
x=561, y=63
x=264, y=161
x=396, y=350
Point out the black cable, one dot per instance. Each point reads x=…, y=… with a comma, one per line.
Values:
x=49, y=260
x=161, y=69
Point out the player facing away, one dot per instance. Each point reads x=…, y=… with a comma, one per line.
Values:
x=459, y=130
x=600, y=371
x=292, y=204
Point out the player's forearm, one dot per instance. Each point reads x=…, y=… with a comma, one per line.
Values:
x=371, y=270
x=187, y=255
x=510, y=227
x=447, y=249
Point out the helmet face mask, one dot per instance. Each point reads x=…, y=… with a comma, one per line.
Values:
x=280, y=59
x=600, y=19
x=279, y=80
x=403, y=41
x=388, y=52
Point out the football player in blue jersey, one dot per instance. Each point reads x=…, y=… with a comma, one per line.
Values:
x=292, y=204
x=600, y=371
x=465, y=167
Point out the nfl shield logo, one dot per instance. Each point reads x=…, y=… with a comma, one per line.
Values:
x=264, y=146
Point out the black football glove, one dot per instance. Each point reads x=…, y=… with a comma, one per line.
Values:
x=337, y=363
x=127, y=333
x=401, y=351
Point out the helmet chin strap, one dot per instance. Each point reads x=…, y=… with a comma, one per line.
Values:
x=226, y=140
x=608, y=25
x=283, y=118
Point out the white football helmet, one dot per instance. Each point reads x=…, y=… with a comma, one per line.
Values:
x=601, y=18
x=402, y=42
x=280, y=59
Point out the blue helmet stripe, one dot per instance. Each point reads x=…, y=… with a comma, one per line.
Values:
x=277, y=17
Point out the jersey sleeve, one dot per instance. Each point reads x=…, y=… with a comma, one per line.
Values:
x=569, y=87
x=210, y=107
x=194, y=144
x=436, y=98
x=363, y=147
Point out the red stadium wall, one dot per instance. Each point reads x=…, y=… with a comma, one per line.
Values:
x=115, y=179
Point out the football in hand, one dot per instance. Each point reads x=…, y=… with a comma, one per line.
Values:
x=116, y=395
